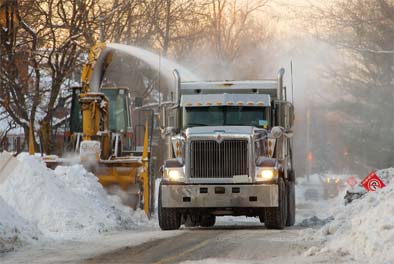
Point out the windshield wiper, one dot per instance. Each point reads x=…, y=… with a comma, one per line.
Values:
x=196, y=124
x=235, y=125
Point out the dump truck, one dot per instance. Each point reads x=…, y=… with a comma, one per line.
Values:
x=230, y=153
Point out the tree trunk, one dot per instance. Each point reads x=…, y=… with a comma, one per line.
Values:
x=45, y=136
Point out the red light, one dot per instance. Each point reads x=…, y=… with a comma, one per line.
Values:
x=310, y=156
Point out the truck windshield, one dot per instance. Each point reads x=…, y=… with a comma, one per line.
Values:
x=225, y=116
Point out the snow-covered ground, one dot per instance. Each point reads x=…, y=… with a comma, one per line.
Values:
x=43, y=212
x=74, y=251
x=39, y=204
x=363, y=229
x=15, y=231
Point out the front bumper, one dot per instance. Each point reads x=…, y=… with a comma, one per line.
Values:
x=219, y=196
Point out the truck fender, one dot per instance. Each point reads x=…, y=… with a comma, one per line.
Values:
x=266, y=162
x=173, y=163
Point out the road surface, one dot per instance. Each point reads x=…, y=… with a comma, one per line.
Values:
x=231, y=240
x=248, y=243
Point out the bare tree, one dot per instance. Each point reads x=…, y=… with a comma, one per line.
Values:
x=43, y=43
x=231, y=35
x=364, y=31
x=7, y=125
x=41, y=50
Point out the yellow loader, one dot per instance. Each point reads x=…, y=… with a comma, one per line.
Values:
x=101, y=131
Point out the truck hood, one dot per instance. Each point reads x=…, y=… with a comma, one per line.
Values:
x=240, y=130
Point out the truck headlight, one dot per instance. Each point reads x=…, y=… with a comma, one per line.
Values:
x=266, y=174
x=174, y=174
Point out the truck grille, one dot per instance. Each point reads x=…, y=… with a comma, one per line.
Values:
x=210, y=159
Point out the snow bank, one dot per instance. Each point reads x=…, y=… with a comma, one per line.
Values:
x=365, y=227
x=68, y=203
x=312, y=209
x=220, y=261
x=14, y=230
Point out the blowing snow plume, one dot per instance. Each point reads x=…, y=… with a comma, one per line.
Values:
x=165, y=66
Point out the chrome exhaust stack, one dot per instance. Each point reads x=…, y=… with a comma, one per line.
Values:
x=280, y=84
x=177, y=78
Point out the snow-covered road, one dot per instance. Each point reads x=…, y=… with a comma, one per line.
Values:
x=65, y=216
x=247, y=243
x=74, y=251
x=230, y=241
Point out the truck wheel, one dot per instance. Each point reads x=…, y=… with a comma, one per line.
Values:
x=208, y=220
x=262, y=218
x=169, y=218
x=275, y=217
x=290, y=204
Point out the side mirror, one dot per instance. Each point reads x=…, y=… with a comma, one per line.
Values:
x=277, y=131
x=169, y=131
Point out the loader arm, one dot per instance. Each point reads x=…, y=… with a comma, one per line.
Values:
x=88, y=68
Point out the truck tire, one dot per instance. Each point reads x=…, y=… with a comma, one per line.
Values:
x=262, y=218
x=169, y=218
x=291, y=175
x=290, y=204
x=275, y=217
x=207, y=220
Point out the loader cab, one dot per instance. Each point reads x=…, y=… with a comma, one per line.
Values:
x=119, y=113
x=119, y=116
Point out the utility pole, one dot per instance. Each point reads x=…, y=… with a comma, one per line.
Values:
x=102, y=32
x=309, y=157
x=392, y=146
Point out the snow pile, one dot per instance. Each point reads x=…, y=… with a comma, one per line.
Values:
x=386, y=175
x=365, y=227
x=313, y=210
x=68, y=203
x=315, y=221
x=14, y=230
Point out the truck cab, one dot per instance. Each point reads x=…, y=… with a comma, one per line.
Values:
x=230, y=153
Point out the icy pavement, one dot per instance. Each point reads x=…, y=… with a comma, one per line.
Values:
x=74, y=251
